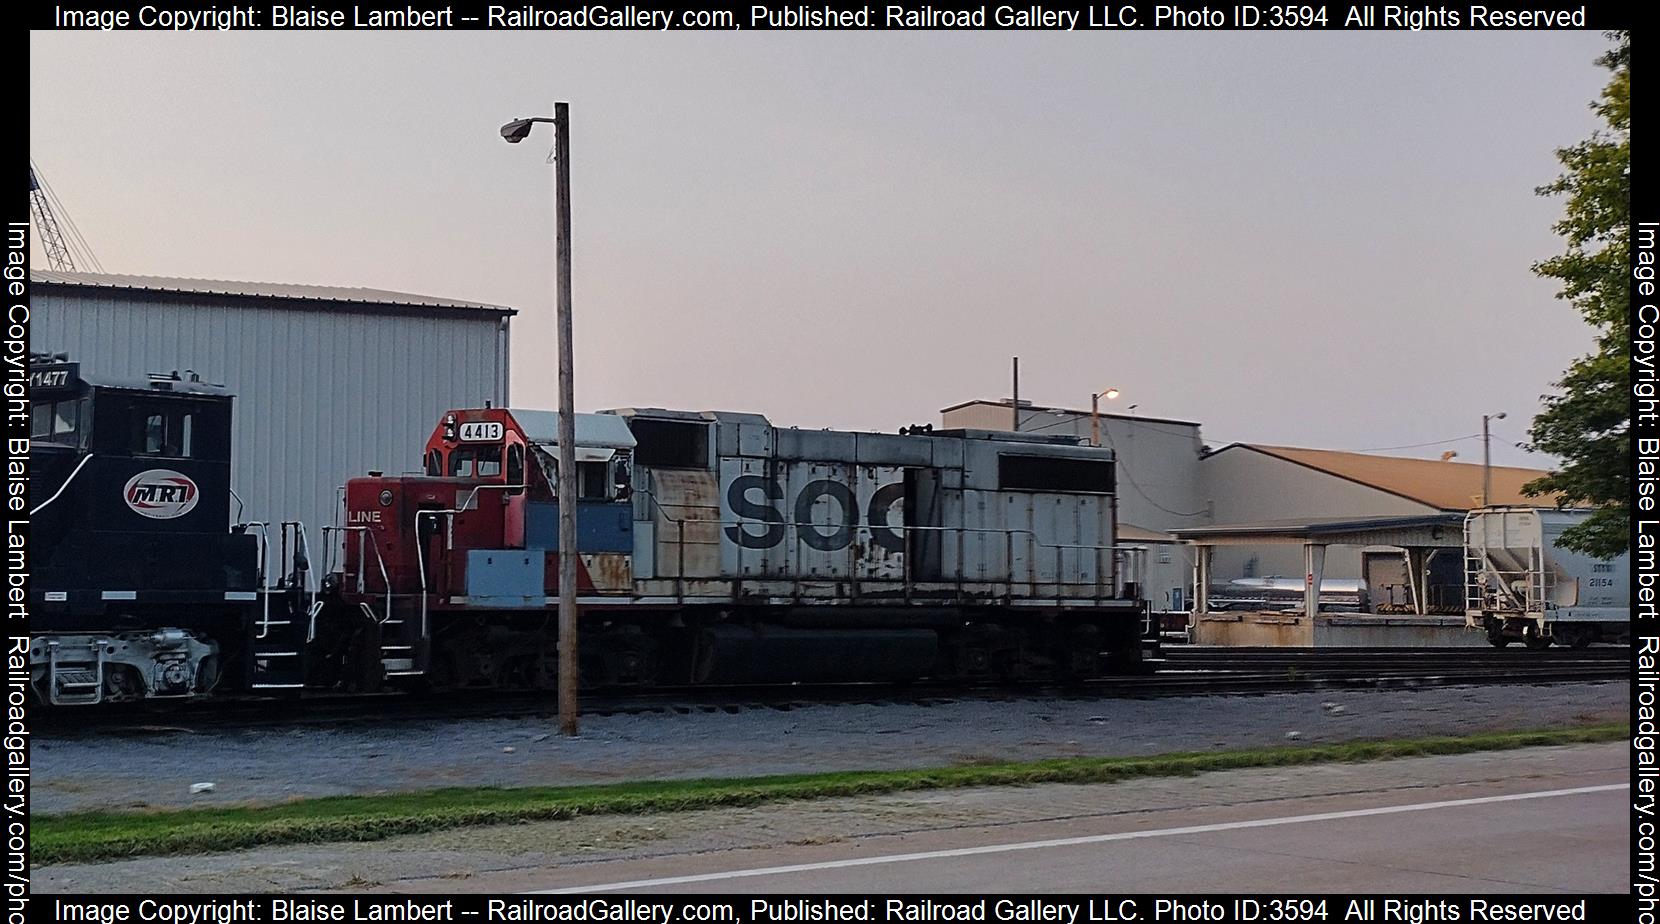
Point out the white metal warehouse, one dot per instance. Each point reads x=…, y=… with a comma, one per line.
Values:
x=329, y=382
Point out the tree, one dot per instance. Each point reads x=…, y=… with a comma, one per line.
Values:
x=1589, y=424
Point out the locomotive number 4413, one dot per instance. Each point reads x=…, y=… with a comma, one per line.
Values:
x=483, y=431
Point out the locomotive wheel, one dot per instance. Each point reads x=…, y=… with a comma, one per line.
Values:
x=1495, y=634
x=970, y=653
x=1078, y=653
x=1535, y=641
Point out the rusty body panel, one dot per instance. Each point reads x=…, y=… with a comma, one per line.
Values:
x=680, y=518
x=766, y=513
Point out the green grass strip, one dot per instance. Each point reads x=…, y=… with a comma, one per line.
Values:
x=85, y=836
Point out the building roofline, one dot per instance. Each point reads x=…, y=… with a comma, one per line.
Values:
x=1315, y=468
x=1268, y=451
x=1043, y=407
x=1316, y=526
x=299, y=297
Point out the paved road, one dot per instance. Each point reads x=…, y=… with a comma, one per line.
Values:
x=1556, y=826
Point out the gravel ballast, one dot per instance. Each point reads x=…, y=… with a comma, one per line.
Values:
x=159, y=767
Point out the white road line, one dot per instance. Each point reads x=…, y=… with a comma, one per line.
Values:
x=1075, y=841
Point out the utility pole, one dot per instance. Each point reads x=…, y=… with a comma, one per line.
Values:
x=1094, y=419
x=1095, y=413
x=515, y=132
x=1487, y=458
x=567, y=427
x=1015, y=401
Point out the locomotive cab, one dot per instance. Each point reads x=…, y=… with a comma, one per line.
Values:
x=511, y=456
x=138, y=581
x=477, y=529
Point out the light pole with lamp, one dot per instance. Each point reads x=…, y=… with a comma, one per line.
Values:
x=1487, y=458
x=515, y=132
x=1095, y=413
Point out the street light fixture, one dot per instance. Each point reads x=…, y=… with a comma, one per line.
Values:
x=1095, y=413
x=519, y=129
x=515, y=132
x=1487, y=458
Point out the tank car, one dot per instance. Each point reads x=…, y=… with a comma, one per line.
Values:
x=717, y=548
x=140, y=588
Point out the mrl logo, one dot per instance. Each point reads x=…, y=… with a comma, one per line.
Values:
x=161, y=494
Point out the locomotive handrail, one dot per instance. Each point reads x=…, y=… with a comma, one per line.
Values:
x=1033, y=544
x=302, y=546
x=421, y=559
x=1103, y=577
x=449, y=536
x=972, y=529
x=264, y=544
x=362, y=531
x=679, y=543
x=56, y=494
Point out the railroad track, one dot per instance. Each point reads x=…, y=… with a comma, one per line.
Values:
x=1183, y=672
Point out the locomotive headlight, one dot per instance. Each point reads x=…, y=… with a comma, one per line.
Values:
x=386, y=498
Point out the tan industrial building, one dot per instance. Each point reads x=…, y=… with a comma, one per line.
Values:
x=1251, y=484
x=1170, y=481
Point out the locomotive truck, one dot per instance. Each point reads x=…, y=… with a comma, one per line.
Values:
x=713, y=546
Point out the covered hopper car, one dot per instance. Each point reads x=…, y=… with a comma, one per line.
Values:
x=1522, y=584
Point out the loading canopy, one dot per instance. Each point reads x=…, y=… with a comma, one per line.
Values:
x=1418, y=534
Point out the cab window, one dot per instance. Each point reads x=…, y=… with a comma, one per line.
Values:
x=435, y=463
x=161, y=430
x=475, y=462
x=515, y=464
x=592, y=480
x=56, y=421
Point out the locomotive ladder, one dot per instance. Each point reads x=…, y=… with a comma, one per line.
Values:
x=75, y=677
x=276, y=650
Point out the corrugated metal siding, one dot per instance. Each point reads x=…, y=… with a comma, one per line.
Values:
x=320, y=397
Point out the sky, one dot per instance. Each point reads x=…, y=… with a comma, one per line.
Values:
x=1308, y=239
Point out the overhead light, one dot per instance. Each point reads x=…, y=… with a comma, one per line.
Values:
x=516, y=130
